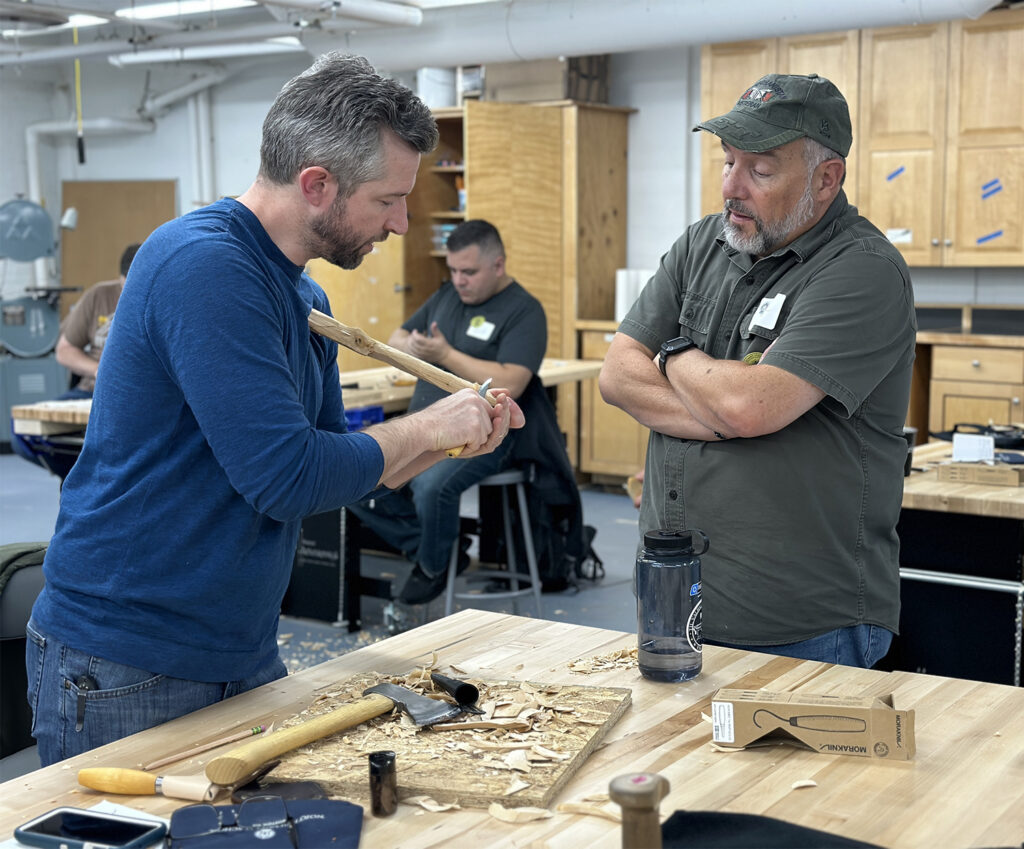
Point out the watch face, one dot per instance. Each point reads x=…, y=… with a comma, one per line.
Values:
x=674, y=346
x=680, y=343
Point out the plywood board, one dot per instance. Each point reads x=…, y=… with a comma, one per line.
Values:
x=536, y=737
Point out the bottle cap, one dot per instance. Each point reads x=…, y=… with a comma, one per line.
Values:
x=667, y=541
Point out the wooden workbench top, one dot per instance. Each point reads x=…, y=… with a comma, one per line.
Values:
x=924, y=491
x=962, y=789
x=385, y=387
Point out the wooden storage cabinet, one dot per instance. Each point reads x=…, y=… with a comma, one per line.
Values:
x=943, y=143
x=975, y=385
x=728, y=69
x=611, y=441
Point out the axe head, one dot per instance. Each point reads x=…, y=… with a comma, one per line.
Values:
x=422, y=711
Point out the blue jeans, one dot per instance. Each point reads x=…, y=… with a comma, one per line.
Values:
x=69, y=718
x=421, y=519
x=857, y=645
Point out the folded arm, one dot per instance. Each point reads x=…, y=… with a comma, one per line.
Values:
x=701, y=397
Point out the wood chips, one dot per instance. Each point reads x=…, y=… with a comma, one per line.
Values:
x=520, y=752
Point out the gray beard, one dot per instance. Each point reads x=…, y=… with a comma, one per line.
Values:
x=766, y=238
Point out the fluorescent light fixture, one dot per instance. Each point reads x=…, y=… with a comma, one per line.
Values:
x=176, y=8
x=84, y=21
x=287, y=44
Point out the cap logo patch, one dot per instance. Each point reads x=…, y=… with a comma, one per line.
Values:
x=825, y=128
x=761, y=92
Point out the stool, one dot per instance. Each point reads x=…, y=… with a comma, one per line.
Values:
x=511, y=478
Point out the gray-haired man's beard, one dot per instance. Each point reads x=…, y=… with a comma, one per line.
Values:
x=766, y=237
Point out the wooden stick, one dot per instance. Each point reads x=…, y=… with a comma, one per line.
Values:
x=213, y=744
x=356, y=340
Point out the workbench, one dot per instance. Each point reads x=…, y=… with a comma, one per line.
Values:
x=963, y=789
x=962, y=585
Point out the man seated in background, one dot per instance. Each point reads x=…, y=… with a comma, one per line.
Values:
x=481, y=325
x=84, y=332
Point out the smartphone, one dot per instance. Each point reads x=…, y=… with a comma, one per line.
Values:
x=76, y=828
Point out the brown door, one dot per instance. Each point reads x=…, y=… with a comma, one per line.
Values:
x=112, y=214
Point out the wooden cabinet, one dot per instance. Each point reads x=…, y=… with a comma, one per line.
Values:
x=975, y=385
x=943, y=139
x=611, y=441
x=727, y=70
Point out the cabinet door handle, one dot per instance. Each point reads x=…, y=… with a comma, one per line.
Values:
x=976, y=363
x=1015, y=401
x=935, y=243
x=949, y=243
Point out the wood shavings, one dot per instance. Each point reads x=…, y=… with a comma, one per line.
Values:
x=516, y=785
x=706, y=718
x=620, y=659
x=517, y=815
x=517, y=760
x=597, y=797
x=521, y=760
x=544, y=753
x=429, y=804
x=716, y=748
x=806, y=782
x=590, y=810
x=506, y=724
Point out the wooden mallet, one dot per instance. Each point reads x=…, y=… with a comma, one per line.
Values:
x=639, y=795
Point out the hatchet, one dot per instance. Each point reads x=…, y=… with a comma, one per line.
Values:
x=245, y=759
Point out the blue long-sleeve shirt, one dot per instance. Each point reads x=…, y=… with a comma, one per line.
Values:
x=216, y=426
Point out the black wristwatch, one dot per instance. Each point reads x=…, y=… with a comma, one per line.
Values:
x=674, y=346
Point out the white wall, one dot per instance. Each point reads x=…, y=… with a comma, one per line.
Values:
x=663, y=87
x=664, y=174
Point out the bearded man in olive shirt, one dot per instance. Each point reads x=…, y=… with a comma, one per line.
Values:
x=771, y=356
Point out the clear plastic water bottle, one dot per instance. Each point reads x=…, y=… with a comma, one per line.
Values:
x=668, y=605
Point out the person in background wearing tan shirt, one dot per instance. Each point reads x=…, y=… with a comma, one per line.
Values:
x=84, y=331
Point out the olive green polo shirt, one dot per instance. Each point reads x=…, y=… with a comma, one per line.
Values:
x=802, y=521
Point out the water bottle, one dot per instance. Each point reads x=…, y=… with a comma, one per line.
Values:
x=668, y=605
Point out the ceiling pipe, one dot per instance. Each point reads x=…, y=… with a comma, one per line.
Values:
x=206, y=52
x=373, y=11
x=517, y=30
x=154, y=106
x=542, y=29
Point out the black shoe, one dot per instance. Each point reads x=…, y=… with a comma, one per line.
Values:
x=421, y=587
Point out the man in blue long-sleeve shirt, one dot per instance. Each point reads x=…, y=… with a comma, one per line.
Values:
x=218, y=425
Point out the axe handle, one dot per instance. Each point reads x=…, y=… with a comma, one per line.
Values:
x=356, y=340
x=235, y=765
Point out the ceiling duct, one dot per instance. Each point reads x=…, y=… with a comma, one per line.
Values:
x=515, y=30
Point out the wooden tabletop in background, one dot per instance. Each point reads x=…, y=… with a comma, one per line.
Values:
x=385, y=387
x=965, y=788
x=924, y=491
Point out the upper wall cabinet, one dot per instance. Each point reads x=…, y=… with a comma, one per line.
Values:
x=942, y=116
x=727, y=70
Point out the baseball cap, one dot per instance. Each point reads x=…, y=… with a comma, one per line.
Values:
x=780, y=108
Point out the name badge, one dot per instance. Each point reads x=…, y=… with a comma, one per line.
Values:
x=767, y=312
x=480, y=328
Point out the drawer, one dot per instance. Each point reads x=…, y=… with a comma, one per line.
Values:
x=994, y=365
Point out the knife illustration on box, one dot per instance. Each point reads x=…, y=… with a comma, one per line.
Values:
x=816, y=722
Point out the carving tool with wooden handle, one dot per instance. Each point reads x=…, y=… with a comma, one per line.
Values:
x=362, y=343
x=136, y=782
x=240, y=762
